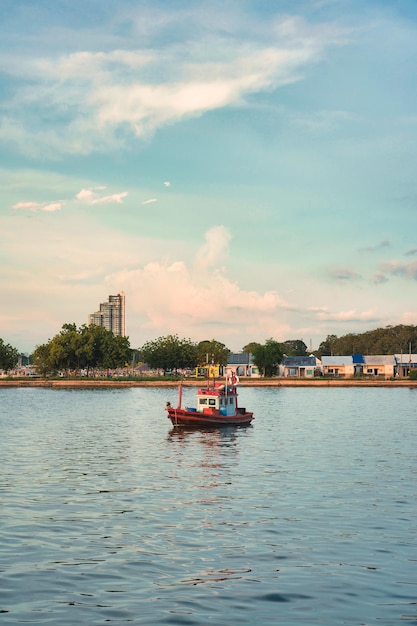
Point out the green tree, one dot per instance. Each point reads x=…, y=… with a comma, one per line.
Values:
x=294, y=347
x=101, y=348
x=42, y=359
x=268, y=357
x=9, y=356
x=88, y=347
x=170, y=353
x=212, y=351
x=94, y=347
x=66, y=349
x=388, y=340
x=250, y=347
x=116, y=352
x=326, y=348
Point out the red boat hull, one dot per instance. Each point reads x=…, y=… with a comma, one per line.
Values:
x=182, y=417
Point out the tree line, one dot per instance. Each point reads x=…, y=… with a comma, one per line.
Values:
x=389, y=340
x=85, y=348
x=94, y=347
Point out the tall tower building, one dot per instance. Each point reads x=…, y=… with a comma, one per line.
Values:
x=112, y=315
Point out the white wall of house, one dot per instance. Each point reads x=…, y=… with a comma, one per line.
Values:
x=242, y=370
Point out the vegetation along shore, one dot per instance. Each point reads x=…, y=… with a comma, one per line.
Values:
x=93, y=356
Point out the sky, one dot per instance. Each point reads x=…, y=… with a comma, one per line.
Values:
x=241, y=169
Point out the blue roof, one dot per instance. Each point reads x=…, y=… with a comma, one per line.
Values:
x=358, y=358
x=240, y=358
x=299, y=361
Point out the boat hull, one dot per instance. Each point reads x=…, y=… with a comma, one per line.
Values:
x=182, y=417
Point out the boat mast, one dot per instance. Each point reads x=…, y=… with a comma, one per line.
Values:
x=179, y=395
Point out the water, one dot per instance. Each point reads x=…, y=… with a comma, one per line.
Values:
x=307, y=517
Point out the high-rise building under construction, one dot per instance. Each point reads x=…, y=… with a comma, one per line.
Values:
x=111, y=315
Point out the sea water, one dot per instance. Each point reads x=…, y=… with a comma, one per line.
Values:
x=109, y=515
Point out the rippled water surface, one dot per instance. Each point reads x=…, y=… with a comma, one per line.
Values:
x=309, y=516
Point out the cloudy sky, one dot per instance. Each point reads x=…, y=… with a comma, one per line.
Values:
x=242, y=169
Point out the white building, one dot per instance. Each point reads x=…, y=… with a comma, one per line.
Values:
x=112, y=315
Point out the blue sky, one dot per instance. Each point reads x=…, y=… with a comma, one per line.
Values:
x=241, y=169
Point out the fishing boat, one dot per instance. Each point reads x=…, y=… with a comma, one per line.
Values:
x=217, y=405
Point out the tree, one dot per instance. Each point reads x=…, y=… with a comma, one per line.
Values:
x=170, y=353
x=66, y=349
x=294, y=347
x=268, y=356
x=388, y=340
x=326, y=348
x=101, y=348
x=87, y=347
x=213, y=350
x=9, y=356
x=42, y=359
x=116, y=352
x=250, y=347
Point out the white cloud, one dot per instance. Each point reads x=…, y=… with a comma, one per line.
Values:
x=167, y=183
x=351, y=315
x=31, y=206
x=214, y=251
x=91, y=96
x=150, y=201
x=88, y=196
x=193, y=298
x=116, y=197
x=204, y=87
x=53, y=206
x=38, y=206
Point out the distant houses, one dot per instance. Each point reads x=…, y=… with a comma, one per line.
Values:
x=380, y=366
x=300, y=366
x=242, y=364
x=365, y=366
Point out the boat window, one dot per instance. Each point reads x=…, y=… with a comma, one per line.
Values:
x=203, y=400
x=230, y=400
x=212, y=401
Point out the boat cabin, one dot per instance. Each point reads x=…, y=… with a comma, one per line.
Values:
x=221, y=398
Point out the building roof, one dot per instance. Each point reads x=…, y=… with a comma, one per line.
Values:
x=299, y=361
x=360, y=359
x=378, y=359
x=406, y=359
x=240, y=358
x=337, y=360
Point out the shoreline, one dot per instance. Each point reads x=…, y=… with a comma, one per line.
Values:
x=271, y=382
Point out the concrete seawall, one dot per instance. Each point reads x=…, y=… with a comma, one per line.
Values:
x=255, y=382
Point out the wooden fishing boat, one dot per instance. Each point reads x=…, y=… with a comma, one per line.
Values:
x=217, y=405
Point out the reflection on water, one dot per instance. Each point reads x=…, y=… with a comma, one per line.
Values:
x=110, y=515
